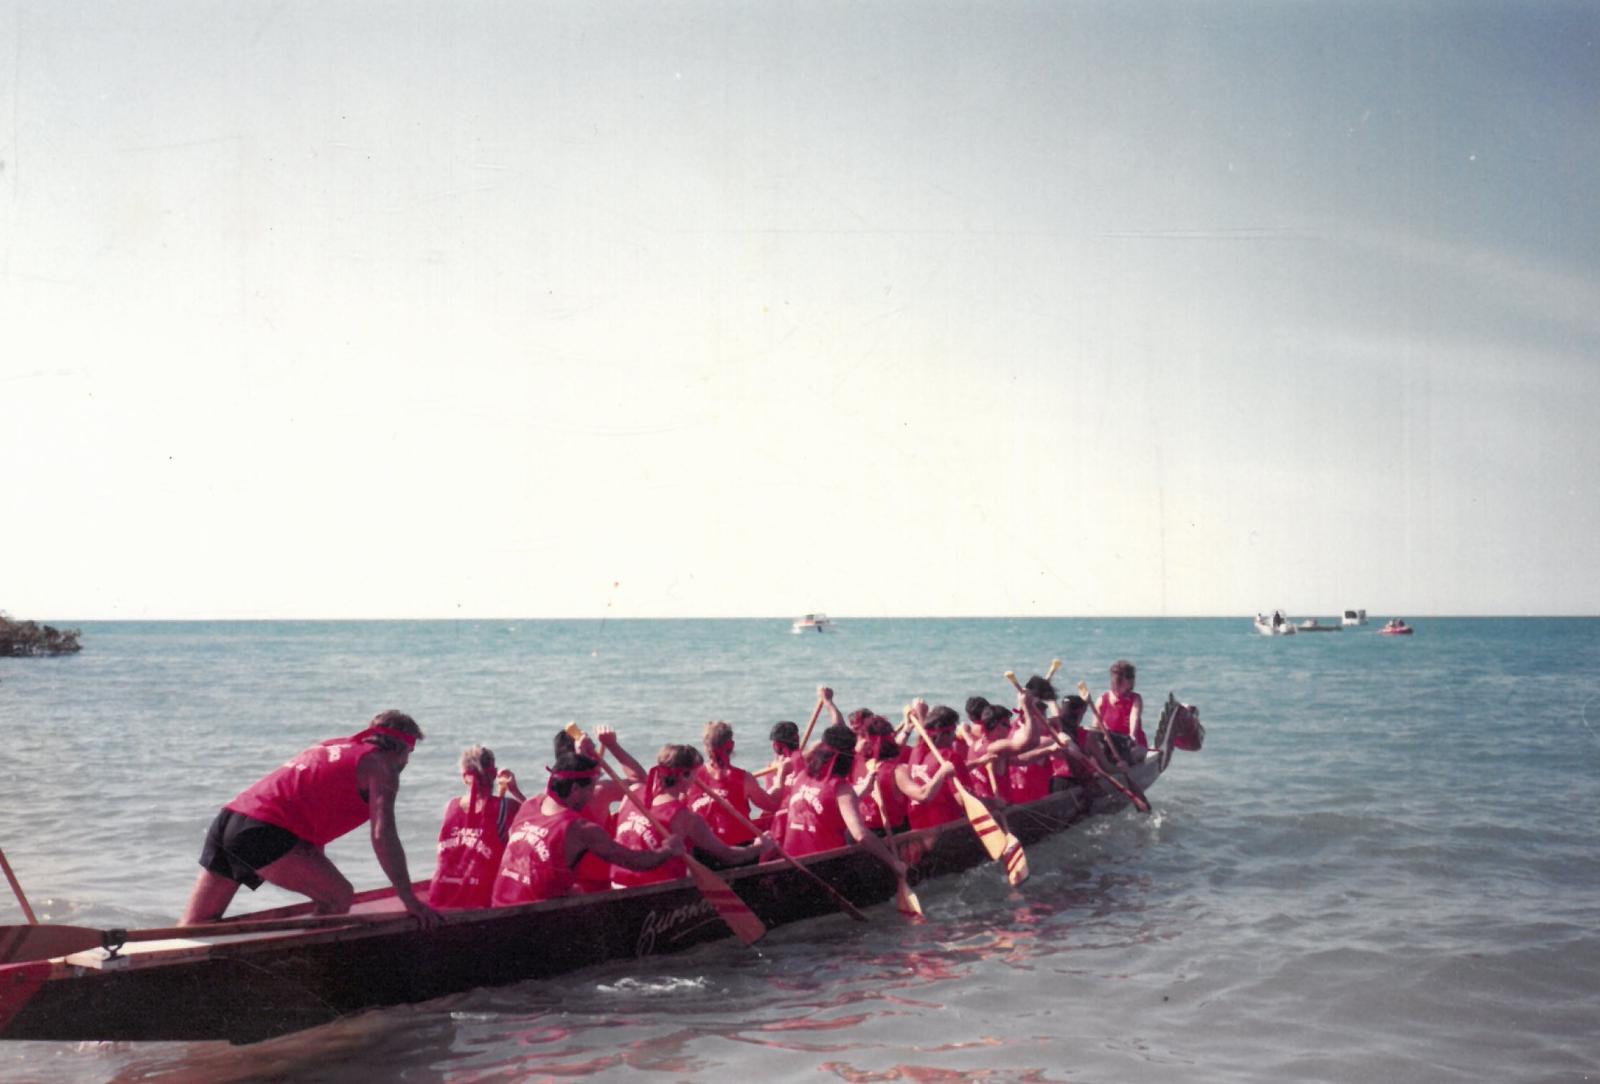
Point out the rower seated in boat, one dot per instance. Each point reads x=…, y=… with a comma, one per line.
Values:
x=666, y=795
x=551, y=835
x=472, y=837
x=594, y=872
x=1073, y=754
x=972, y=730
x=1072, y=759
x=733, y=785
x=822, y=812
x=988, y=770
x=1121, y=712
x=275, y=829
x=787, y=760
x=924, y=777
x=883, y=806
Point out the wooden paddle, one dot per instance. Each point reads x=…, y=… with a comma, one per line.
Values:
x=1140, y=802
x=905, y=900
x=745, y=923
x=19, y=944
x=1002, y=846
x=729, y=808
x=816, y=711
x=27, y=911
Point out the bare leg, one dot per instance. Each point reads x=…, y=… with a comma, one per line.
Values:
x=208, y=899
x=306, y=870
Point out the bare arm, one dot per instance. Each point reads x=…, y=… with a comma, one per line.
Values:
x=762, y=799
x=587, y=836
x=850, y=813
x=694, y=829
x=630, y=767
x=506, y=782
x=833, y=709
x=908, y=787
x=380, y=777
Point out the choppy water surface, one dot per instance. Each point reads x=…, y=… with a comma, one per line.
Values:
x=1382, y=867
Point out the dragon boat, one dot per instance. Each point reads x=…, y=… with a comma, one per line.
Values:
x=269, y=973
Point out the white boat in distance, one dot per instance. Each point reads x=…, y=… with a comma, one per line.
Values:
x=812, y=623
x=1354, y=617
x=1274, y=625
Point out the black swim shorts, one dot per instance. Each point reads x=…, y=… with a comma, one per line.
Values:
x=236, y=846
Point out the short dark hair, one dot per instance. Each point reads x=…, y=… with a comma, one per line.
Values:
x=1040, y=688
x=570, y=761
x=838, y=746
x=879, y=727
x=995, y=716
x=975, y=706
x=942, y=718
x=785, y=733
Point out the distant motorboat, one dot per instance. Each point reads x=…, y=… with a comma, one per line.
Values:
x=812, y=623
x=1354, y=617
x=1311, y=624
x=1274, y=625
x=1396, y=628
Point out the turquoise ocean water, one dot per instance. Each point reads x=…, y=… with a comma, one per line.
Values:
x=1382, y=867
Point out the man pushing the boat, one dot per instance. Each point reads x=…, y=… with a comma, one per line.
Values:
x=275, y=830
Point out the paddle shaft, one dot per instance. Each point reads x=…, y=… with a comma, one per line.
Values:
x=968, y=801
x=816, y=712
x=33, y=919
x=733, y=811
x=905, y=900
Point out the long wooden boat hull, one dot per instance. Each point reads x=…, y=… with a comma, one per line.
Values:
x=249, y=987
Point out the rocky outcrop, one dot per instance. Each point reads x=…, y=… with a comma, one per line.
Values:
x=31, y=638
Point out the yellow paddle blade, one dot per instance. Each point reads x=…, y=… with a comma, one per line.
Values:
x=906, y=901
x=730, y=908
x=989, y=833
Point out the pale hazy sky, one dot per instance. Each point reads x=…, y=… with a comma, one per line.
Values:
x=456, y=309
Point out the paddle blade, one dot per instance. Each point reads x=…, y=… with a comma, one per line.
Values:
x=21, y=944
x=989, y=833
x=1016, y=861
x=906, y=902
x=744, y=923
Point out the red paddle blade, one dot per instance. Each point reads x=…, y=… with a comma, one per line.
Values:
x=744, y=923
